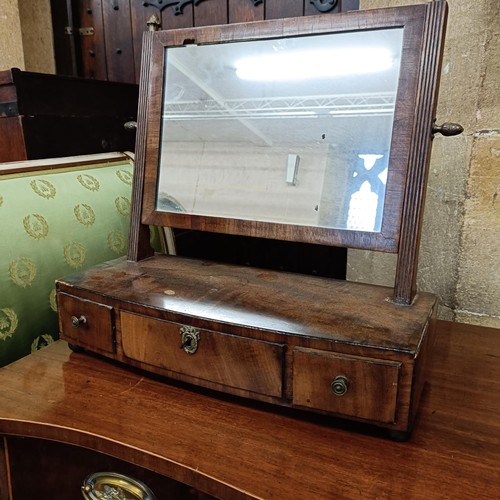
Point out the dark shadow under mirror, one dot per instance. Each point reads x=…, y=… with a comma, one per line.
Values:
x=264, y=253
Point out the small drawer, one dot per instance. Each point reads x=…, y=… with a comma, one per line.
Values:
x=85, y=323
x=353, y=386
x=219, y=358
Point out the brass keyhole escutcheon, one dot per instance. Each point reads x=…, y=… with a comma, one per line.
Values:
x=76, y=322
x=340, y=385
x=190, y=338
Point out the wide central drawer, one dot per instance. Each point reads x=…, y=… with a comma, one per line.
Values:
x=219, y=358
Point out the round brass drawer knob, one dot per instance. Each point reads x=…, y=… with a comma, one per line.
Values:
x=340, y=385
x=76, y=322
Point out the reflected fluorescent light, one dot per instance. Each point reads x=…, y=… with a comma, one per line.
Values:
x=293, y=66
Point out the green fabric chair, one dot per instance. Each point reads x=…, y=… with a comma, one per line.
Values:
x=54, y=222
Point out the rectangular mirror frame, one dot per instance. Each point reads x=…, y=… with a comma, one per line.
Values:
x=423, y=26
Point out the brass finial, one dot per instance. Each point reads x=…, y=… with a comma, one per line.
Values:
x=154, y=23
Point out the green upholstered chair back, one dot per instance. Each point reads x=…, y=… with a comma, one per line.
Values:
x=53, y=222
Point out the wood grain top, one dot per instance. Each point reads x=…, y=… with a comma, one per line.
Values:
x=244, y=297
x=235, y=449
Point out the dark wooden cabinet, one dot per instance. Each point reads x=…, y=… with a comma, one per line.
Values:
x=58, y=470
x=47, y=116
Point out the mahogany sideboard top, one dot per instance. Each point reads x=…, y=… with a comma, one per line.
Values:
x=232, y=448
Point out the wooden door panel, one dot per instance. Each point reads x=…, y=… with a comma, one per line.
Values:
x=212, y=12
x=92, y=45
x=64, y=44
x=278, y=9
x=169, y=20
x=244, y=10
x=118, y=41
x=113, y=50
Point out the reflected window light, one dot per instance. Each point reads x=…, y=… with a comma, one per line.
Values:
x=383, y=176
x=363, y=203
x=369, y=160
x=323, y=63
x=362, y=209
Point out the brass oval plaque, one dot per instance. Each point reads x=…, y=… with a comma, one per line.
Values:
x=113, y=486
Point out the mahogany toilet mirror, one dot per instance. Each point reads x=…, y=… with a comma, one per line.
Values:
x=316, y=130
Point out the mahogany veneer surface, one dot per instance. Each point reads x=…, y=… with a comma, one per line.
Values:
x=237, y=296
x=232, y=448
x=271, y=336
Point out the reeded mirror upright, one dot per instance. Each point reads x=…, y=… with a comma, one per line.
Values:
x=314, y=129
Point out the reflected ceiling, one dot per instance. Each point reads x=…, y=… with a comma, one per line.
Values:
x=207, y=101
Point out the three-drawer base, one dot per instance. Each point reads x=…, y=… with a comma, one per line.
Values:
x=368, y=369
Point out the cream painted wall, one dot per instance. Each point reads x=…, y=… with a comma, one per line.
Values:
x=11, y=42
x=460, y=247
x=240, y=174
x=36, y=26
x=26, y=36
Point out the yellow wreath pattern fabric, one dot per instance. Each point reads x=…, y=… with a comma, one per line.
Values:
x=43, y=188
x=8, y=323
x=22, y=271
x=36, y=226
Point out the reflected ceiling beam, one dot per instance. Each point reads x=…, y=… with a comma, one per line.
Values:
x=218, y=98
x=365, y=104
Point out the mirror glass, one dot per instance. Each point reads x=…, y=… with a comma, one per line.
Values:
x=294, y=130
